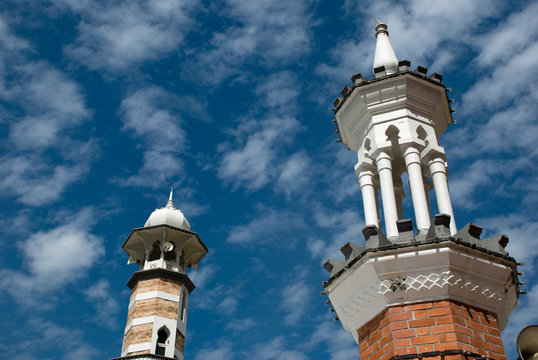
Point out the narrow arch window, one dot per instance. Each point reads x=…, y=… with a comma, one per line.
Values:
x=183, y=306
x=162, y=336
x=155, y=252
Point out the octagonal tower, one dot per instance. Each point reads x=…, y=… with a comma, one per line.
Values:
x=431, y=293
x=157, y=318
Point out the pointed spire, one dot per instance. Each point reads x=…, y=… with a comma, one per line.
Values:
x=384, y=54
x=170, y=204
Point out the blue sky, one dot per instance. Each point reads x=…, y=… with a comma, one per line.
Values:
x=106, y=104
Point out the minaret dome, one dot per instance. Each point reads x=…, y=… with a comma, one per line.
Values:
x=168, y=215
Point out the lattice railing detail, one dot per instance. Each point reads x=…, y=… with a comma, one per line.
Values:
x=440, y=280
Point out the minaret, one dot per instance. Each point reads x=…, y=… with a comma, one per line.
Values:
x=431, y=293
x=157, y=317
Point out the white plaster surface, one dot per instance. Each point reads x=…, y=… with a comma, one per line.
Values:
x=375, y=283
x=416, y=113
x=136, y=347
x=153, y=295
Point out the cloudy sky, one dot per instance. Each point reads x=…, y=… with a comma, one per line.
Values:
x=106, y=104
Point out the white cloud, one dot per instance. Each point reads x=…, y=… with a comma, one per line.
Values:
x=295, y=300
x=35, y=182
x=294, y=175
x=341, y=175
x=151, y=115
x=203, y=276
x=523, y=244
x=269, y=228
x=11, y=46
x=338, y=343
x=54, y=258
x=493, y=177
x=344, y=226
x=49, y=113
x=117, y=36
x=279, y=92
x=105, y=303
x=241, y=325
x=506, y=83
x=41, y=339
x=220, y=299
x=50, y=118
x=43, y=110
x=223, y=350
x=420, y=31
x=263, y=33
x=510, y=37
x=252, y=164
x=259, y=160
x=524, y=315
x=276, y=349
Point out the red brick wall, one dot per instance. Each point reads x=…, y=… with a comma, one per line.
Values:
x=431, y=326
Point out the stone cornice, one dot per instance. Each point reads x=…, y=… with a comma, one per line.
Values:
x=447, y=270
x=394, y=249
x=160, y=273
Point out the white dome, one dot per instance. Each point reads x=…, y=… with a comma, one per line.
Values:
x=168, y=215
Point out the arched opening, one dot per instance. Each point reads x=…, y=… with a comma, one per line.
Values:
x=170, y=255
x=162, y=336
x=183, y=306
x=155, y=253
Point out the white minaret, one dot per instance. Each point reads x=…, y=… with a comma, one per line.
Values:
x=157, y=318
x=434, y=293
x=394, y=123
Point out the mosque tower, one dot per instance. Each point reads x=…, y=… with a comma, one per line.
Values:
x=157, y=317
x=435, y=292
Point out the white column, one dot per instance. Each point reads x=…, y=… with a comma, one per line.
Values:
x=437, y=169
x=384, y=169
x=398, y=194
x=366, y=180
x=416, y=184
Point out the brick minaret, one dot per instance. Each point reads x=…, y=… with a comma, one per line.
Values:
x=435, y=292
x=156, y=321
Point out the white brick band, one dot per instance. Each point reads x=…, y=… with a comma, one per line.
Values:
x=154, y=295
x=139, y=321
x=136, y=347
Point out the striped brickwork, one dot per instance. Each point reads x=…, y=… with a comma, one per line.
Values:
x=151, y=299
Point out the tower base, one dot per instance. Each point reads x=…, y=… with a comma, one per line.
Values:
x=443, y=329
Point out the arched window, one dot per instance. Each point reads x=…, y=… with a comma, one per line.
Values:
x=162, y=336
x=183, y=306
x=155, y=252
x=170, y=255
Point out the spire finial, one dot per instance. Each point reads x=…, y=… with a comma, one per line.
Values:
x=384, y=54
x=170, y=204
